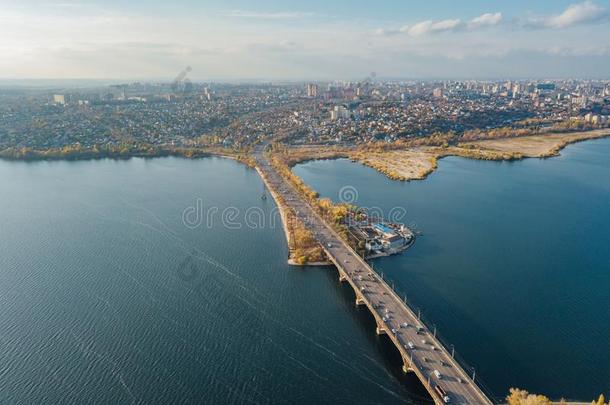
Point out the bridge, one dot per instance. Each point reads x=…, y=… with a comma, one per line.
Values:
x=422, y=353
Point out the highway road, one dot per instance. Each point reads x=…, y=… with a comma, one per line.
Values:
x=422, y=353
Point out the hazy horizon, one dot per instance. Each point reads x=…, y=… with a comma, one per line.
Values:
x=91, y=82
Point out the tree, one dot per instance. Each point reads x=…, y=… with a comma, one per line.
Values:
x=522, y=397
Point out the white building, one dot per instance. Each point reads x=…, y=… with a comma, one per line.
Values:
x=339, y=113
x=312, y=90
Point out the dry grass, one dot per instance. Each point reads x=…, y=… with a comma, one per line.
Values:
x=535, y=146
x=418, y=162
x=409, y=164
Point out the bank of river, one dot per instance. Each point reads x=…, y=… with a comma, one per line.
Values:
x=513, y=262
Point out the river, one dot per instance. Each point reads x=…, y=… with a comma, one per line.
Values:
x=513, y=264
x=165, y=281
x=116, y=288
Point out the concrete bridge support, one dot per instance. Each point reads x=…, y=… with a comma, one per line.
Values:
x=406, y=365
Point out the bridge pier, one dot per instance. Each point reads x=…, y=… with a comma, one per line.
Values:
x=412, y=361
x=406, y=365
x=406, y=369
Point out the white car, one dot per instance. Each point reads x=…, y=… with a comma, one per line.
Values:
x=411, y=345
x=438, y=374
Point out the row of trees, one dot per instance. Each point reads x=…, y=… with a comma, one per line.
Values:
x=527, y=129
x=522, y=397
x=335, y=214
x=119, y=151
x=518, y=129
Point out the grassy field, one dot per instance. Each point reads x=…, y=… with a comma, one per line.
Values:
x=536, y=146
x=418, y=162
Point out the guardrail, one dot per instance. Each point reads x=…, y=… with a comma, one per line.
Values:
x=485, y=390
x=460, y=362
x=431, y=326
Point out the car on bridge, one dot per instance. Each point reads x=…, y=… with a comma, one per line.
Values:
x=442, y=394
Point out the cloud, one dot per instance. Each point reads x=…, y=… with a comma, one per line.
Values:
x=275, y=47
x=575, y=14
x=449, y=25
x=425, y=27
x=287, y=15
x=390, y=31
x=485, y=20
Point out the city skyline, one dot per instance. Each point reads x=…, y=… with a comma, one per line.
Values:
x=238, y=41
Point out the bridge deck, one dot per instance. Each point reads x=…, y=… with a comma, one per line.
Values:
x=393, y=316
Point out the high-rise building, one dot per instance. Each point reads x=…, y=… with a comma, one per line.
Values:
x=438, y=92
x=59, y=99
x=312, y=90
x=339, y=113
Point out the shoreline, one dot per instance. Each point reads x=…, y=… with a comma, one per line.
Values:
x=284, y=217
x=290, y=237
x=53, y=155
x=510, y=150
x=418, y=162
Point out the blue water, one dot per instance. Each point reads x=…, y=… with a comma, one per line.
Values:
x=513, y=265
x=107, y=297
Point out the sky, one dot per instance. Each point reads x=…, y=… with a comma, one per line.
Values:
x=277, y=40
